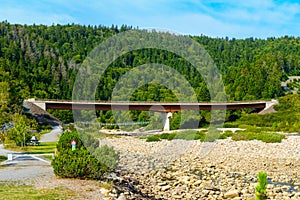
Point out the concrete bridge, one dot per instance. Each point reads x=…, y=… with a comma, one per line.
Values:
x=166, y=107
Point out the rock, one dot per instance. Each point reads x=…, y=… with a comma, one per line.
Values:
x=162, y=184
x=104, y=191
x=197, y=183
x=165, y=188
x=122, y=197
x=231, y=194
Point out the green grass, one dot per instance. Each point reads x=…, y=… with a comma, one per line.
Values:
x=10, y=191
x=44, y=147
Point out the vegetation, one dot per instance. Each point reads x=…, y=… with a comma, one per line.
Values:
x=87, y=161
x=21, y=132
x=287, y=117
x=261, y=187
x=257, y=134
x=42, y=61
x=38, y=61
x=267, y=137
x=2, y=158
x=43, y=148
x=11, y=192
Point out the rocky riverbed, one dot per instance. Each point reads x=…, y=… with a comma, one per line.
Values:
x=224, y=169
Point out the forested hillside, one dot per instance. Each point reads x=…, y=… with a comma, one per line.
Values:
x=42, y=61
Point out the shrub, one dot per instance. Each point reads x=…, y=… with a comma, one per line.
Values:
x=108, y=156
x=80, y=163
x=225, y=135
x=187, y=135
x=153, y=138
x=263, y=136
x=261, y=187
x=2, y=158
x=212, y=135
x=167, y=136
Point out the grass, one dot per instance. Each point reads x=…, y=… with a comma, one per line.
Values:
x=11, y=191
x=43, y=148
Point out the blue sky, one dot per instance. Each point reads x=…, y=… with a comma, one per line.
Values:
x=216, y=18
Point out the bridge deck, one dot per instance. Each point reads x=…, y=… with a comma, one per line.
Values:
x=155, y=106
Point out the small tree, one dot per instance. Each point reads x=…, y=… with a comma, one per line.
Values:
x=261, y=187
x=81, y=162
x=21, y=131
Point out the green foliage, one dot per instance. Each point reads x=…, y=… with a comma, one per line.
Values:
x=287, y=117
x=190, y=135
x=211, y=135
x=42, y=61
x=182, y=135
x=21, y=132
x=81, y=163
x=261, y=187
x=153, y=138
x=2, y=158
x=167, y=136
x=108, y=156
x=225, y=135
x=267, y=137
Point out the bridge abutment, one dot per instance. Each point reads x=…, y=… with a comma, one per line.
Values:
x=42, y=105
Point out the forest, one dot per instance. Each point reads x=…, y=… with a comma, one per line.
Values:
x=38, y=61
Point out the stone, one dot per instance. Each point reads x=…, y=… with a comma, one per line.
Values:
x=104, y=191
x=231, y=194
x=122, y=197
x=165, y=188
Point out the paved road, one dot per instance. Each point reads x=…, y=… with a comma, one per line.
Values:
x=26, y=168
x=4, y=152
x=53, y=135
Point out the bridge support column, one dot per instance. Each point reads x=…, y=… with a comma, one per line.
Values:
x=167, y=121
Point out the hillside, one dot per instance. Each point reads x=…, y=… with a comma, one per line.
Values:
x=38, y=61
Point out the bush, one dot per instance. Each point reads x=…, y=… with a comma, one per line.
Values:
x=80, y=163
x=153, y=138
x=2, y=158
x=263, y=136
x=167, y=136
x=225, y=135
x=212, y=135
x=108, y=156
x=187, y=135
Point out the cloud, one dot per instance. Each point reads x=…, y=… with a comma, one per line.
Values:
x=233, y=18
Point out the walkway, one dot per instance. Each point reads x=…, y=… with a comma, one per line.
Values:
x=24, y=169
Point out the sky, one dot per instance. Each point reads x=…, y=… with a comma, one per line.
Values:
x=214, y=18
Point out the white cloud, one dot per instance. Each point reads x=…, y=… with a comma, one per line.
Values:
x=234, y=18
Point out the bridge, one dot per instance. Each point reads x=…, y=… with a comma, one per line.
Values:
x=166, y=107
